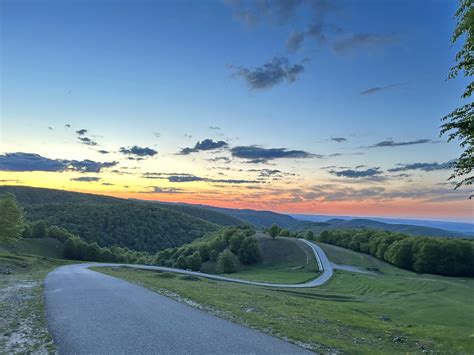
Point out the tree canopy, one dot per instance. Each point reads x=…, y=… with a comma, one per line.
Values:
x=459, y=124
x=11, y=219
x=442, y=256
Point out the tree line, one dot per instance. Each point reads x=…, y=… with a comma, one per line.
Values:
x=228, y=248
x=441, y=256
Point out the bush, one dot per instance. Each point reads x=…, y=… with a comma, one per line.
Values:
x=181, y=263
x=39, y=230
x=194, y=261
x=250, y=251
x=213, y=255
x=227, y=262
x=59, y=233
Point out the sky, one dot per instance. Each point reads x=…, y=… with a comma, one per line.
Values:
x=303, y=106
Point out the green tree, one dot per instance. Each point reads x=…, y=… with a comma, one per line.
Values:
x=181, y=263
x=400, y=253
x=106, y=255
x=274, y=231
x=26, y=231
x=250, y=251
x=459, y=124
x=39, y=230
x=70, y=249
x=92, y=252
x=11, y=219
x=213, y=254
x=235, y=242
x=309, y=235
x=285, y=233
x=59, y=233
x=204, y=251
x=227, y=262
x=194, y=261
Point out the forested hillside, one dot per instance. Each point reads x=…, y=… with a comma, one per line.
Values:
x=209, y=215
x=259, y=219
x=340, y=224
x=111, y=221
x=135, y=226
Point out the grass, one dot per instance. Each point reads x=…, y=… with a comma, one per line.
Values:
x=344, y=256
x=285, y=260
x=47, y=247
x=398, y=311
x=22, y=318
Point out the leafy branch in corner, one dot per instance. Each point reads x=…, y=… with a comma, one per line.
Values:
x=459, y=124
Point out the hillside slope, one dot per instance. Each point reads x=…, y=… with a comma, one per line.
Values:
x=259, y=219
x=206, y=214
x=332, y=224
x=111, y=221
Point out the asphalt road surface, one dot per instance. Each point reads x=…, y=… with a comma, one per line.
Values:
x=92, y=313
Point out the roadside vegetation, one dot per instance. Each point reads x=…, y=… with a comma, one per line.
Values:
x=23, y=321
x=240, y=252
x=227, y=249
x=392, y=311
x=449, y=257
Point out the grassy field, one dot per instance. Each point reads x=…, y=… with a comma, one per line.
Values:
x=285, y=260
x=396, y=311
x=47, y=247
x=22, y=319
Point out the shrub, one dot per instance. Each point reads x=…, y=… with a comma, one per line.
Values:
x=213, y=255
x=194, y=261
x=181, y=262
x=227, y=262
x=250, y=251
x=39, y=230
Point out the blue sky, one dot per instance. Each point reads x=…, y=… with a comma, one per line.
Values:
x=124, y=70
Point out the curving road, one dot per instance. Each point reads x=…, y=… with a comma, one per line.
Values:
x=323, y=264
x=89, y=312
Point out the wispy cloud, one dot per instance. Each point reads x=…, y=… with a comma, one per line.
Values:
x=87, y=141
x=423, y=166
x=357, y=173
x=205, y=145
x=193, y=178
x=86, y=179
x=367, y=41
x=391, y=143
x=137, y=151
x=269, y=74
x=377, y=89
x=163, y=190
x=256, y=154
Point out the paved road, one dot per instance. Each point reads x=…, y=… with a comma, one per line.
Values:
x=92, y=313
x=89, y=312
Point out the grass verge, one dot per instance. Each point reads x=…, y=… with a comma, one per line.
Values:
x=22, y=318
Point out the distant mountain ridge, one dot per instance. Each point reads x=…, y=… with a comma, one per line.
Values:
x=461, y=227
x=264, y=219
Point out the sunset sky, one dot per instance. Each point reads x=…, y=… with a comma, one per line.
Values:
x=323, y=107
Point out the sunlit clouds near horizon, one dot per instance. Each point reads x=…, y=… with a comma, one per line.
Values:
x=290, y=106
